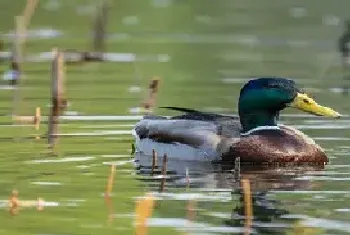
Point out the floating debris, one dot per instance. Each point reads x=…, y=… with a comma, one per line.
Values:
x=66, y=159
x=134, y=89
x=43, y=33
x=330, y=20
x=118, y=163
x=52, y=5
x=298, y=12
x=46, y=183
x=116, y=156
x=130, y=20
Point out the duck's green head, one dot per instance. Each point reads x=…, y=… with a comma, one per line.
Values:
x=262, y=99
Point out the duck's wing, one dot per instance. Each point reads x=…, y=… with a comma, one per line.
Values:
x=195, y=128
x=190, y=132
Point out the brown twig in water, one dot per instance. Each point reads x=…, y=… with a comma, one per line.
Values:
x=16, y=61
x=37, y=120
x=187, y=180
x=144, y=209
x=191, y=206
x=57, y=96
x=14, y=203
x=29, y=11
x=154, y=160
x=237, y=171
x=100, y=27
x=248, y=210
x=150, y=100
x=109, y=188
x=164, y=170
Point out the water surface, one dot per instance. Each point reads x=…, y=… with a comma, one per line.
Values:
x=292, y=199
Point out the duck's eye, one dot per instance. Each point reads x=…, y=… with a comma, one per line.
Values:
x=273, y=86
x=306, y=101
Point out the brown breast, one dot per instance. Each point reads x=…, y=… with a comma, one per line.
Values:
x=284, y=145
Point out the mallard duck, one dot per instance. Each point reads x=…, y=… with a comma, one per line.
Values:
x=255, y=136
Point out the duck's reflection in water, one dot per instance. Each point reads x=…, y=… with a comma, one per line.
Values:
x=269, y=215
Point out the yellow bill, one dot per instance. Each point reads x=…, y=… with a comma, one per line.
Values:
x=307, y=104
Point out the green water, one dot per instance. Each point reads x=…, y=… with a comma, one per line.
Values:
x=208, y=44
x=286, y=200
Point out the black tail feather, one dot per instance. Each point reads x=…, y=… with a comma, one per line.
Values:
x=197, y=115
x=186, y=110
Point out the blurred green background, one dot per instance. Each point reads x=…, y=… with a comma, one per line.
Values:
x=208, y=48
x=203, y=50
